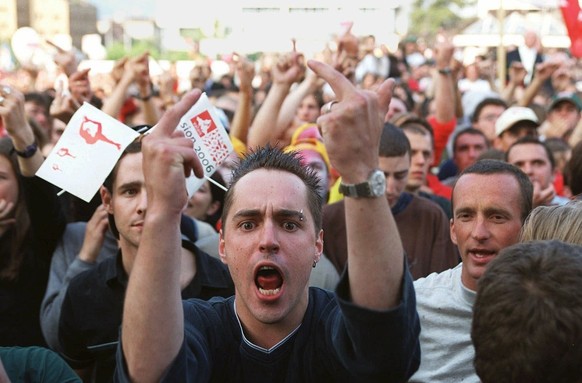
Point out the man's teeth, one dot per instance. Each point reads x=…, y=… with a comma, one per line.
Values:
x=481, y=254
x=269, y=292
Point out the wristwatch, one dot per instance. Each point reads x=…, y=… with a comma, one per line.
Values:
x=28, y=151
x=374, y=186
x=446, y=71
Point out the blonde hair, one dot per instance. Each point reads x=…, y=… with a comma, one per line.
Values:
x=563, y=223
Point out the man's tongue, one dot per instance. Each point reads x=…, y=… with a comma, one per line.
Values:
x=269, y=279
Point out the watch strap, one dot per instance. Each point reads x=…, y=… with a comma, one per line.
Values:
x=361, y=189
x=446, y=71
x=28, y=152
x=373, y=187
x=144, y=98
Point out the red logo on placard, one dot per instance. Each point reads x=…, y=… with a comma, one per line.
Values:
x=91, y=132
x=203, y=123
x=217, y=147
x=65, y=152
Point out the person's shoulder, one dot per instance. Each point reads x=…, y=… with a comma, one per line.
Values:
x=211, y=271
x=514, y=53
x=426, y=202
x=443, y=203
x=46, y=364
x=204, y=261
x=333, y=212
x=209, y=244
x=87, y=280
x=202, y=311
x=212, y=323
x=321, y=301
x=320, y=295
x=559, y=200
x=74, y=235
x=334, y=207
x=437, y=290
x=214, y=303
x=204, y=229
x=444, y=279
x=324, y=275
x=212, y=277
x=431, y=205
x=74, y=230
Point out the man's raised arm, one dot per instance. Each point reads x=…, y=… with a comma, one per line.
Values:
x=153, y=323
x=351, y=131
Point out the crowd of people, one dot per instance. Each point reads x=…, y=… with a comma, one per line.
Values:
x=401, y=216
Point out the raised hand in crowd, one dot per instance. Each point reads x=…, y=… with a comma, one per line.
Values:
x=241, y=122
x=118, y=69
x=445, y=81
x=68, y=100
x=289, y=118
x=80, y=87
x=245, y=71
x=168, y=157
x=65, y=59
x=6, y=217
x=95, y=231
x=346, y=57
x=517, y=73
x=165, y=83
x=16, y=124
x=289, y=69
x=136, y=72
x=543, y=71
x=557, y=128
x=542, y=197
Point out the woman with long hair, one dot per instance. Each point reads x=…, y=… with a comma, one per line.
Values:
x=31, y=223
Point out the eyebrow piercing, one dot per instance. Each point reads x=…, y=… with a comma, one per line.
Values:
x=301, y=216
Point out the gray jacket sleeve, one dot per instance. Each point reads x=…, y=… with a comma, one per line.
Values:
x=65, y=265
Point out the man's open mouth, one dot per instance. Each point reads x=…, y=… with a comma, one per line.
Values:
x=268, y=280
x=481, y=253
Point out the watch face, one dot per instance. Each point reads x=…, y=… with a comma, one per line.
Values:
x=378, y=183
x=375, y=186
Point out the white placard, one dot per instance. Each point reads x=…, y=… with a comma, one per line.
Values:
x=89, y=148
x=210, y=140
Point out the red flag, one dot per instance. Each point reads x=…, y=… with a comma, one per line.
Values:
x=573, y=21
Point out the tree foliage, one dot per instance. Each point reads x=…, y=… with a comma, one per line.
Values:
x=118, y=50
x=428, y=17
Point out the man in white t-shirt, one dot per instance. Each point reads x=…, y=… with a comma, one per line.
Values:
x=491, y=199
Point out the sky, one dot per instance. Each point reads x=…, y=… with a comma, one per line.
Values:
x=107, y=9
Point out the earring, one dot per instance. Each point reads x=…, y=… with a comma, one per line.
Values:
x=314, y=263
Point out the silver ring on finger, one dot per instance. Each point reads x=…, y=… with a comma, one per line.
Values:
x=6, y=90
x=327, y=107
x=2, y=100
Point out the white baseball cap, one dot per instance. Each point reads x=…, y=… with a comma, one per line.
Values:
x=513, y=115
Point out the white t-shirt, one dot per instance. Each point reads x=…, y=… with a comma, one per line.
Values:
x=445, y=308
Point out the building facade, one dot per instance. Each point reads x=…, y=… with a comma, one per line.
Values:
x=50, y=18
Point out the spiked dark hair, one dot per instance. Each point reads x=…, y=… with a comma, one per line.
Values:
x=274, y=158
